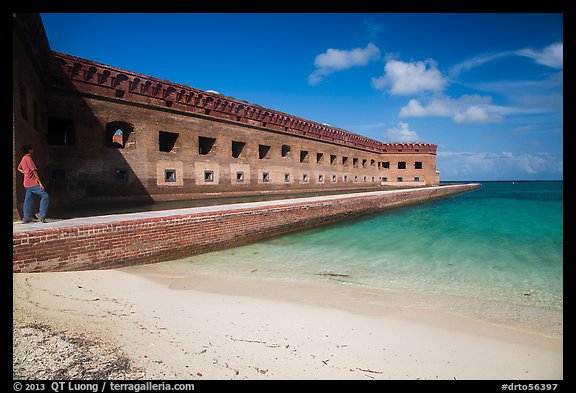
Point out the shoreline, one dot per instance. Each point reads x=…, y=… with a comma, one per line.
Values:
x=200, y=326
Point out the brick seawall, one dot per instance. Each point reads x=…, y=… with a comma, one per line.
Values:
x=140, y=238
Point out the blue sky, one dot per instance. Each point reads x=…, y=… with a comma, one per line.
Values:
x=486, y=88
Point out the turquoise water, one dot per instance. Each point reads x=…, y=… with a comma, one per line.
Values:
x=501, y=242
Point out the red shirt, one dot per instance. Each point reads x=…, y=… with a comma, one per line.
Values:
x=27, y=166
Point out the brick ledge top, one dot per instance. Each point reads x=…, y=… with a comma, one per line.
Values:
x=19, y=228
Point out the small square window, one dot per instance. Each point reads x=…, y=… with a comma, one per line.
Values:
x=320, y=178
x=333, y=178
x=416, y=178
x=209, y=176
x=166, y=141
x=305, y=178
x=355, y=179
x=237, y=148
x=345, y=178
x=265, y=177
x=169, y=175
x=386, y=165
x=384, y=178
x=205, y=145
x=332, y=159
x=402, y=165
x=120, y=175
x=399, y=179
x=263, y=152
x=418, y=165
x=240, y=177
x=287, y=178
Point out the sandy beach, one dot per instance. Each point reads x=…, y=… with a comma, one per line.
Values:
x=154, y=322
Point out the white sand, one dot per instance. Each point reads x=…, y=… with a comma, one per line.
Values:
x=221, y=327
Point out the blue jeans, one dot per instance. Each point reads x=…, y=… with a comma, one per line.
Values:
x=29, y=202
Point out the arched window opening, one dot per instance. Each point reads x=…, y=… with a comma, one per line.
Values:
x=117, y=133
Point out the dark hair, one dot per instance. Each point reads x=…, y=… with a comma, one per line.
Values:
x=26, y=148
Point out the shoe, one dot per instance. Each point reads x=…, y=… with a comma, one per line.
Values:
x=26, y=221
x=41, y=219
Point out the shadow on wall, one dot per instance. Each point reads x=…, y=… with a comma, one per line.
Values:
x=83, y=157
x=79, y=156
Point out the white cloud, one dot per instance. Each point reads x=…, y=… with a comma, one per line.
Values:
x=475, y=62
x=475, y=114
x=551, y=56
x=336, y=60
x=410, y=78
x=466, y=109
x=401, y=133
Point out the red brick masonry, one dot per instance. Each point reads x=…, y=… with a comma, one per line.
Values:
x=180, y=233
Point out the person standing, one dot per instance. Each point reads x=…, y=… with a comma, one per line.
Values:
x=33, y=186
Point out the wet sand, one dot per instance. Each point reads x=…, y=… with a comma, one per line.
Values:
x=162, y=323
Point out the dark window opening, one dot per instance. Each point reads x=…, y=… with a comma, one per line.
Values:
x=169, y=175
x=418, y=165
x=117, y=134
x=265, y=177
x=386, y=165
x=372, y=163
x=345, y=178
x=399, y=179
x=303, y=156
x=332, y=159
x=166, y=141
x=320, y=178
x=209, y=176
x=355, y=179
x=319, y=158
x=305, y=178
x=344, y=160
x=287, y=178
x=364, y=163
x=416, y=178
x=60, y=131
x=120, y=175
x=240, y=177
x=263, y=152
x=384, y=178
x=401, y=165
x=364, y=179
x=205, y=145
x=333, y=178
x=285, y=151
x=237, y=148
x=355, y=162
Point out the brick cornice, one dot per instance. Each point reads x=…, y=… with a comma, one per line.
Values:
x=91, y=77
